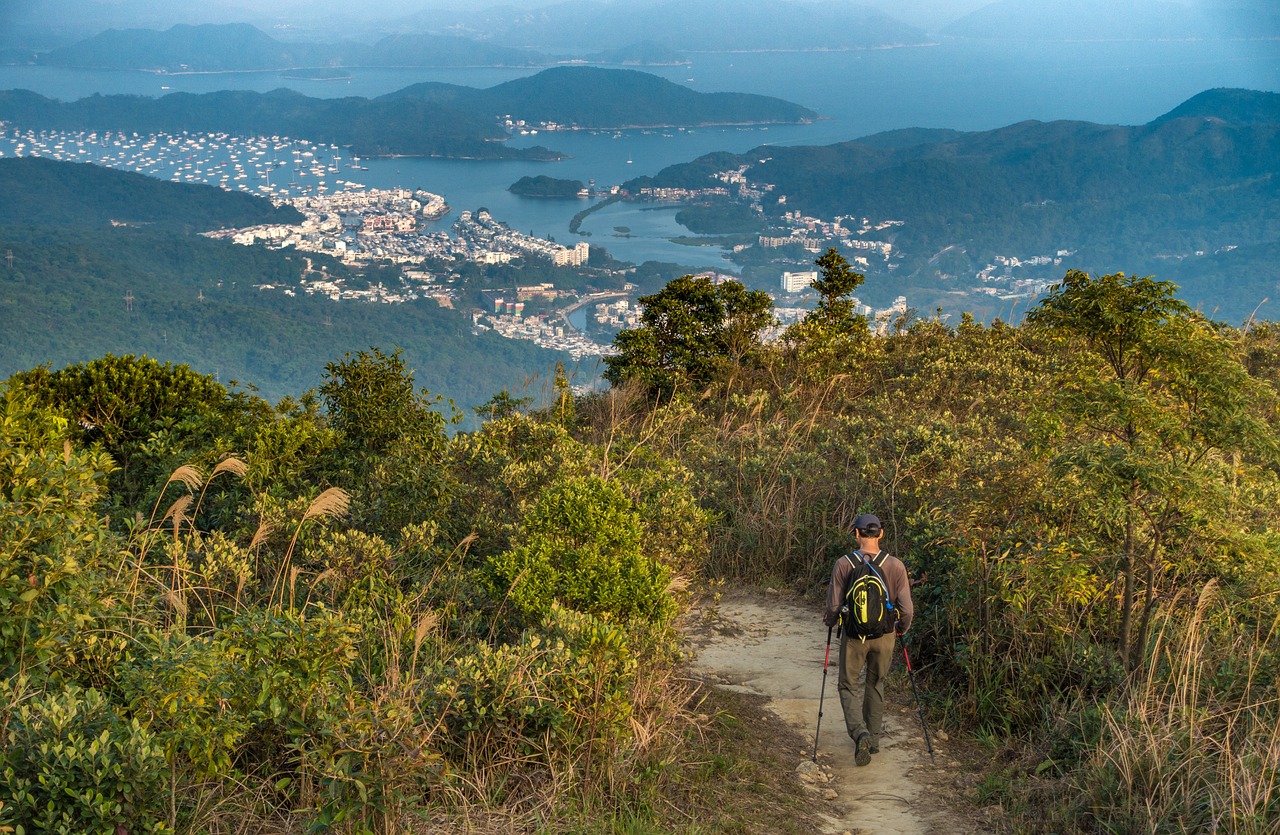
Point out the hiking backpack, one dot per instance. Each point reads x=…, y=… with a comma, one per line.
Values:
x=867, y=611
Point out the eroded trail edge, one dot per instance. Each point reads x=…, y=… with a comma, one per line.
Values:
x=773, y=645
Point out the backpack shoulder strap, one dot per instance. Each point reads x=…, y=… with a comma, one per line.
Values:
x=876, y=564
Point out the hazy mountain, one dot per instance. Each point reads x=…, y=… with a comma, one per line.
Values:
x=447, y=51
x=679, y=24
x=237, y=47
x=644, y=53
x=591, y=97
x=929, y=15
x=1083, y=20
x=203, y=48
x=47, y=23
x=1239, y=107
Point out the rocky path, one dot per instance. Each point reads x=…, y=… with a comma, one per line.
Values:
x=774, y=646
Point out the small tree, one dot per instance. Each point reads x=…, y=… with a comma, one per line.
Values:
x=393, y=441
x=835, y=285
x=693, y=332
x=1153, y=406
x=834, y=318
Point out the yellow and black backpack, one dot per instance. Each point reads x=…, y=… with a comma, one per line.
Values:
x=868, y=612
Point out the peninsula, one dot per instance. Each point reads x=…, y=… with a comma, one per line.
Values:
x=431, y=119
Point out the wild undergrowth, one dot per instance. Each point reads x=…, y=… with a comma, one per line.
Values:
x=233, y=656
x=333, y=614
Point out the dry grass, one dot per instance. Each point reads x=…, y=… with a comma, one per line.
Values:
x=1186, y=751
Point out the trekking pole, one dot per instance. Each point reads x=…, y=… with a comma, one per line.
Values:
x=826, y=661
x=919, y=707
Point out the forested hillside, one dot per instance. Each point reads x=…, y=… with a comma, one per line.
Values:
x=80, y=284
x=591, y=97
x=375, y=624
x=1194, y=183
x=42, y=192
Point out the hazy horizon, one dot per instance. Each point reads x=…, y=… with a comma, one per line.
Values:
x=317, y=15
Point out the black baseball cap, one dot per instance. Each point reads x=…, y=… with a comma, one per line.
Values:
x=867, y=521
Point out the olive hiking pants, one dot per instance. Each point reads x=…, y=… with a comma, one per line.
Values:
x=865, y=715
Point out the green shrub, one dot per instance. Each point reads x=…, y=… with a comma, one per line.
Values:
x=558, y=692
x=580, y=544
x=52, y=537
x=73, y=764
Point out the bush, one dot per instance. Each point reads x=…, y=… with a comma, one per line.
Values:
x=580, y=544
x=559, y=692
x=73, y=765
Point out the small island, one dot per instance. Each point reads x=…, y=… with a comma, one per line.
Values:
x=543, y=186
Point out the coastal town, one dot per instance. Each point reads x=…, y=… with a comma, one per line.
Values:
x=361, y=226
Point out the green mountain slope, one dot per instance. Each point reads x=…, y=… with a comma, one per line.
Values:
x=591, y=97
x=43, y=192
x=1202, y=178
x=78, y=287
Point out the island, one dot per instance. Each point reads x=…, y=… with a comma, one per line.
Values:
x=543, y=186
x=369, y=127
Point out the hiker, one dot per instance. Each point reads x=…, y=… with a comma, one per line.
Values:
x=869, y=626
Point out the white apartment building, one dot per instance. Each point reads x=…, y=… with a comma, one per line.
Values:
x=796, y=282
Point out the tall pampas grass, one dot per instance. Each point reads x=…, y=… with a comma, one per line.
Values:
x=187, y=475
x=332, y=503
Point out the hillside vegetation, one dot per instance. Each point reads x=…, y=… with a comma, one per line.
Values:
x=373, y=625
x=607, y=99
x=105, y=261
x=1191, y=184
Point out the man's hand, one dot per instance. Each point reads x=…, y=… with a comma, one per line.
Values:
x=899, y=628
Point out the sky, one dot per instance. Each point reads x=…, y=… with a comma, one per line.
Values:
x=919, y=12
x=930, y=15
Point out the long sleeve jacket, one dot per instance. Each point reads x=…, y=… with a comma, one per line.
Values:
x=895, y=577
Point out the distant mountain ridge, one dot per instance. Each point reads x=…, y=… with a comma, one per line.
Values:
x=241, y=47
x=1241, y=107
x=1087, y=20
x=430, y=119
x=690, y=25
x=1202, y=178
x=238, y=47
x=608, y=99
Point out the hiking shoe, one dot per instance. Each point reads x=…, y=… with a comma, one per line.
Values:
x=862, y=750
x=872, y=748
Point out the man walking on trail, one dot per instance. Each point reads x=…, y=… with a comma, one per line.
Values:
x=870, y=597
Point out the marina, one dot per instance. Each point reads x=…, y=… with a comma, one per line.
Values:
x=276, y=167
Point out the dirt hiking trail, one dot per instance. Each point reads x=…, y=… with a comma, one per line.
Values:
x=773, y=645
